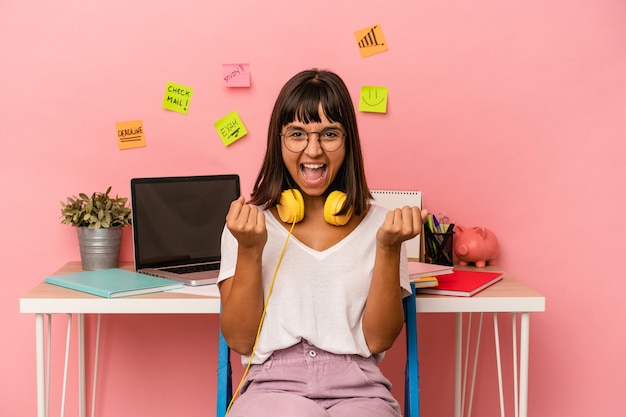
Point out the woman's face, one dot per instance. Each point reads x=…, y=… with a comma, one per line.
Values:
x=313, y=169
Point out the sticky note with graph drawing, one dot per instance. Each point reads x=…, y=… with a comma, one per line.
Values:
x=371, y=41
x=373, y=99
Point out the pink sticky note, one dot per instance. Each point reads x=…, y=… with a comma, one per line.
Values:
x=236, y=75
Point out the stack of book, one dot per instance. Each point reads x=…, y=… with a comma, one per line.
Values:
x=445, y=280
x=462, y=283
x=424, y=275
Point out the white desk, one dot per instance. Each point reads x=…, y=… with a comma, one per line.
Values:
x=508, y=296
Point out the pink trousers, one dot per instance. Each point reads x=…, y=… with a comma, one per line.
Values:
x=304, y=381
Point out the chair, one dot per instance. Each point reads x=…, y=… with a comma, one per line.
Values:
x=411, y=374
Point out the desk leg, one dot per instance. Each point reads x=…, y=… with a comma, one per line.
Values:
x=523, y=364
x=496, y=333
x=523, y=367
x=458, y=365
x=39, y=349
x=82, y=403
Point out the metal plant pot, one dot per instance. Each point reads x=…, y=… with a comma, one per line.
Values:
x=99, y=248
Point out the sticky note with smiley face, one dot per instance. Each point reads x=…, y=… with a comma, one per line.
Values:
x=373, y=99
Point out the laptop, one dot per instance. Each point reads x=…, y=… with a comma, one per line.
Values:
x=178, y=223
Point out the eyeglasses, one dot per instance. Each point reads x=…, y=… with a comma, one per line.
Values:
x=296, y=140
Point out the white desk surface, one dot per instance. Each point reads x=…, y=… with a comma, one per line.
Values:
x=50, y=299
x=508, y=295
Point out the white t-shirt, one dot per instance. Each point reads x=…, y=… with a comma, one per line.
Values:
x=318, y=296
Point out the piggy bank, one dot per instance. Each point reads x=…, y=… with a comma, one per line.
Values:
x=476, y=245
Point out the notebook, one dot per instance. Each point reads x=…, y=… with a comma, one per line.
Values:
x=178, y=224
x=113, y=282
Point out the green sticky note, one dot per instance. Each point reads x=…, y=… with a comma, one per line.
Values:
x=373, y=99
x=230, y=128
x=177, y=98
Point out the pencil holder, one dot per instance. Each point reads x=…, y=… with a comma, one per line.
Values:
x=438, y=247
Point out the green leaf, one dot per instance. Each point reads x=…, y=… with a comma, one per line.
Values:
x=99, y=210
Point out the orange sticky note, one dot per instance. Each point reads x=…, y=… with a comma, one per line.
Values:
x=130, y=134
x=371, y=41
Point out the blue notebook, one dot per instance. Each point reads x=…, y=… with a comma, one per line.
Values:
x=113, y=283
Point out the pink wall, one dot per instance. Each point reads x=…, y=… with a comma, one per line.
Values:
x=506, y=114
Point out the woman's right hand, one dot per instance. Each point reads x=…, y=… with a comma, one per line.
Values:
x=247, y=224
x=242, y=295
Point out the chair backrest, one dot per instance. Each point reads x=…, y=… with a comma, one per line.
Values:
x=224, y=377
x=411, y=373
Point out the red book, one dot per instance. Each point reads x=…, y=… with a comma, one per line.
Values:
x=462, y=283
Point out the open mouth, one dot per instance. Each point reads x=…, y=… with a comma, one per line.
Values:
x=313, y=173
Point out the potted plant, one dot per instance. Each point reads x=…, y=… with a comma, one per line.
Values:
x=99, y=220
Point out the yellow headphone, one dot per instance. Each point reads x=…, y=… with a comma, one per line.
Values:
x=291, y=207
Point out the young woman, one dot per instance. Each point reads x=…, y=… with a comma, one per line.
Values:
x=334, y=286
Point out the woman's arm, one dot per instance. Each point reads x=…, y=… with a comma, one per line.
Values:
x=242, y=295
x=383, y=316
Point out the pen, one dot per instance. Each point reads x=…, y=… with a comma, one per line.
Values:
x=437, y=226
x=430, y=223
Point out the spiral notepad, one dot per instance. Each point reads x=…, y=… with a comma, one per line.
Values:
x=392, y=199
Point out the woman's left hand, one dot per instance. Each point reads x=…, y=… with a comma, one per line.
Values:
x=400, y=225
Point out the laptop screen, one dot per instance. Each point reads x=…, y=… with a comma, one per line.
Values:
x=179, y=220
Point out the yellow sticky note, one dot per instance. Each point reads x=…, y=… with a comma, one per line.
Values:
x=371, y=41
x=177, y=98
x=230, y=128
x=373, y=99
x=130, y=134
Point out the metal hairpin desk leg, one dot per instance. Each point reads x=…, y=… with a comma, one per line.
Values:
x=39, y=349
x=523, y=363
x=457, y=365
x=82, y=403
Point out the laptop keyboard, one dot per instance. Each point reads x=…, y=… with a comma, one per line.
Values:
x=187, y=269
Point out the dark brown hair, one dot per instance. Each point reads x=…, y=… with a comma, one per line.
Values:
x=299, y=99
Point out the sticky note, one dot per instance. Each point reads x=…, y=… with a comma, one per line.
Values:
x=230, y=128
x=371, y=41
x=236, y=75
x=130, y=134
x=177, y=98
x=373, y=99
